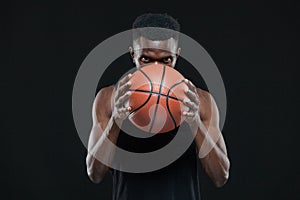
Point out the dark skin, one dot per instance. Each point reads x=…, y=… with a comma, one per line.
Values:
x=110, y=109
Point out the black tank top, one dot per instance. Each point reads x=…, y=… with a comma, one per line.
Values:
x=177, y=181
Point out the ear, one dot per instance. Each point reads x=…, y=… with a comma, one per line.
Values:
x=178, y=52
x=131, y=52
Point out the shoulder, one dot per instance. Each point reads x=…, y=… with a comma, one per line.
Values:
x=102, y=102
x=204, y=96
x=103, y=92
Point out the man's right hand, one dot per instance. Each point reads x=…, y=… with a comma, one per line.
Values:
x=121, y=108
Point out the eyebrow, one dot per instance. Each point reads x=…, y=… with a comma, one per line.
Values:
x=151, y=54
x=160, y=58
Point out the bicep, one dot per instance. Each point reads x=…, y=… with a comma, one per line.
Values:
x=100, y=111
x=212, y=124
x=100, y=116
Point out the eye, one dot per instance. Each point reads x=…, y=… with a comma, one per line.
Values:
x=144, y=59
x=167, y=60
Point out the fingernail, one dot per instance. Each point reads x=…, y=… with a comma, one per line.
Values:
x=129, y=108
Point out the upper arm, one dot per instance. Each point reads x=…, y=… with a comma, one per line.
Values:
x=101, y=110
x=210, y=117
x=208, y=111
x=101, y=113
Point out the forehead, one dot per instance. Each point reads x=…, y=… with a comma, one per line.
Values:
x=162, y=46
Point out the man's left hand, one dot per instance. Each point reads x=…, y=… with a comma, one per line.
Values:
x=192, y=116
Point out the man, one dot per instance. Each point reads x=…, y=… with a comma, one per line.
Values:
x=179, y=180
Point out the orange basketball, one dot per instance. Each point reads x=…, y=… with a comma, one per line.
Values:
x=156, y=99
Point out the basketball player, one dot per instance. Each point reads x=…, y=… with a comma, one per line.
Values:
x=179, y=180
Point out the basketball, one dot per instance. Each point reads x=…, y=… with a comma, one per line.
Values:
x=156, y=100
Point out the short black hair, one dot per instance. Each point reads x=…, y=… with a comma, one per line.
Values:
x=167, y=26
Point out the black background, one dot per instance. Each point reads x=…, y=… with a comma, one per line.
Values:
x=253, y=43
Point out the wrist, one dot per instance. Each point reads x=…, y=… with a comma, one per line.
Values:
x=117, y=123
x=195, y=124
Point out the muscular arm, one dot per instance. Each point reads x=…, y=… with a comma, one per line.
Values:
x=109, y=112
x=210, y=142
x=103, y=127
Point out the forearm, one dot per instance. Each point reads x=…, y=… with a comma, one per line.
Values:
x=101, y=152
x=215, y=163
x=212, y=153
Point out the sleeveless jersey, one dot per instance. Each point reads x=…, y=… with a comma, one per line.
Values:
x=177, y=181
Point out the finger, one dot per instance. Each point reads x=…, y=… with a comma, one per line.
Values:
x=124, y=88
x=124, y=80
x=192, y=96
x=190, y=104
x=188, y=114
x=124, y=110
x=190, y=85
x=122, y=99
x=121, y=83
